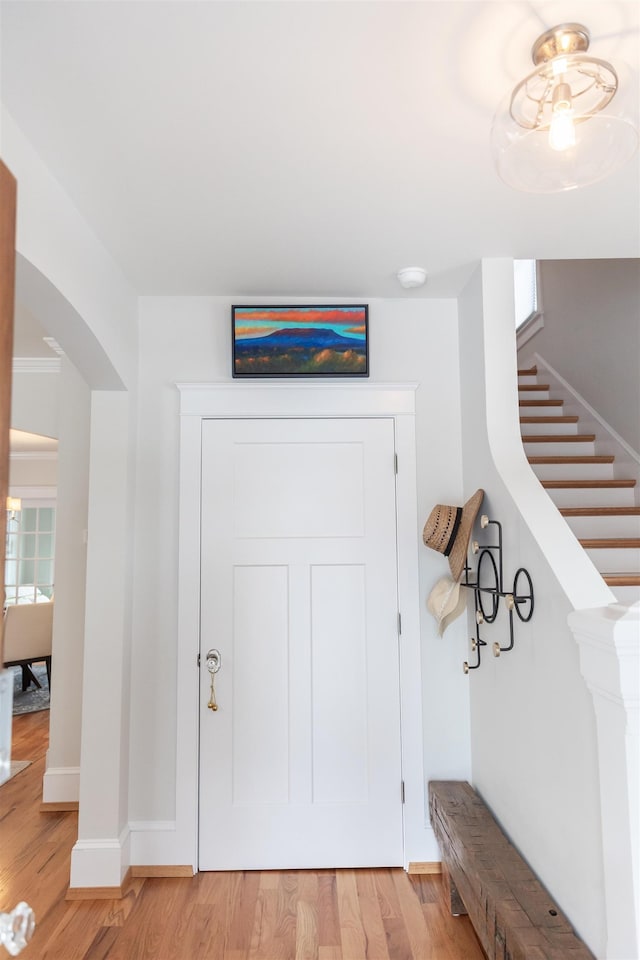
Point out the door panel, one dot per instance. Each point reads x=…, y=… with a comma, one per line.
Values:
x=300, y=765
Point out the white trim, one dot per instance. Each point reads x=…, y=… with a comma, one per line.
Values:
x=610, y=664
x=155, y=842
x=33, y=455
x=529, y=328
x=199, y=401
x=101, y=862
x=61, y=785
x=308, y=399
x=143, y=826
x=34, y=493
x=36, y=364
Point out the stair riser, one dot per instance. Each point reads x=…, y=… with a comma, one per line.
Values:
x=556, y=410
x=590, y=527
x=556, y=448
x=573, y=471
x=546, y=429
x=533, y=394
x=615, y=560
x=596, y=497
x=525, y=381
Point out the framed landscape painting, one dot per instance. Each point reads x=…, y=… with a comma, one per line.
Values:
x=300, y=341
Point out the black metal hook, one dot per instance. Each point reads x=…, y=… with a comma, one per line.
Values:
x=489, y=581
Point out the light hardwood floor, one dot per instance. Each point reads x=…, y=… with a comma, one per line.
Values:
x=291, y=915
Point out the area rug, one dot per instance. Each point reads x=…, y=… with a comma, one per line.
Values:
x=32, y=699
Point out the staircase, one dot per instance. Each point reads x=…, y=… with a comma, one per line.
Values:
x=599, y=506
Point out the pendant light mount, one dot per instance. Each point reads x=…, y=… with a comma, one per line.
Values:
x=567, y=38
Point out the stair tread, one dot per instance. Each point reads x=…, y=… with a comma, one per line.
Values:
x=531, y=372
x=565, y=419
x=622, y=579
x=610, y=543
x=586, y=484
x=586, y=459
x=533, y=386
x=558, y=438
x=600, y=511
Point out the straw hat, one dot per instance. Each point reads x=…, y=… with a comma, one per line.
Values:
x=446, y=602
x=448, y=530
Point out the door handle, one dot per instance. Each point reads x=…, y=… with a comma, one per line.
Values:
x=214, y=662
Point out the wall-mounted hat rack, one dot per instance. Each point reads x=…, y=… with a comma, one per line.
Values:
x=488, y=590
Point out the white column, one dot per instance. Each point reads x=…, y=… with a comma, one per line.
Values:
x=100, y=858
x=609, y=641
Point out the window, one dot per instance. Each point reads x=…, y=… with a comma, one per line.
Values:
x=525, y=280
x=528, y=309
x=28, y=575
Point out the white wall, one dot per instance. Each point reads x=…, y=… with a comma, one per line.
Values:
x=188, y=339
x=78, y=293
x=33, y=471
x=34, y=403
x=591, y=335
x=55, y=243
x=534, y=746
x=61, y=778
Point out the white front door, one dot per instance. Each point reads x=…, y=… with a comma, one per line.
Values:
x=300, y=764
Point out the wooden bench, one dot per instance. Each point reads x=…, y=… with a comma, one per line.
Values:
x=513, y=915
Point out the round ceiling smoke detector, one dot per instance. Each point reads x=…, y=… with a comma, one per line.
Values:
x=411, y=277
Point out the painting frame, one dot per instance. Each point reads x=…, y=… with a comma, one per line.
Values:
x=300, y=340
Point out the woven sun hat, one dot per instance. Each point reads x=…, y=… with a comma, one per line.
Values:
x=446, y=602
x=448, y=530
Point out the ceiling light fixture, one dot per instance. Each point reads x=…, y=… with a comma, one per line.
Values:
x=411, y=277
x=567, y=124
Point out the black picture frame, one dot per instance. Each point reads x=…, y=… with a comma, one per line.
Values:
x=300, y=340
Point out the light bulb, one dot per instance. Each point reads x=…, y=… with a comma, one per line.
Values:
x=562, y=134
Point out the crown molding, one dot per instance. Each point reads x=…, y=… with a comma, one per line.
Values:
x=33, y=455
x=36, y=364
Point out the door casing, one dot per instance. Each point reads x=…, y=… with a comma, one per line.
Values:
x=199, y=402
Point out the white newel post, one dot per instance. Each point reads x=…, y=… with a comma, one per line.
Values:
x=609, y=642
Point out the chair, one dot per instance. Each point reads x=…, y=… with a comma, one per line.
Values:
x=27, y=632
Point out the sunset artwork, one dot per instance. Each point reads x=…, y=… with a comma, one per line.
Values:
x=300, y=341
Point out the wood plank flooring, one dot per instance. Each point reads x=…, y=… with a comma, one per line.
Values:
x=381, y=914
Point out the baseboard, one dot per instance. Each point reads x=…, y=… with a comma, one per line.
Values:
x=100, y=864
x=64, y=806
x=434, y=867
x=170, y=870
x=61, y=785
x=100, y=893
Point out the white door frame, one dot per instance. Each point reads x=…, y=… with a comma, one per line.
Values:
x=200, y=401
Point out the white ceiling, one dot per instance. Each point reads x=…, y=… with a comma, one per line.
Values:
x=302, y=148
